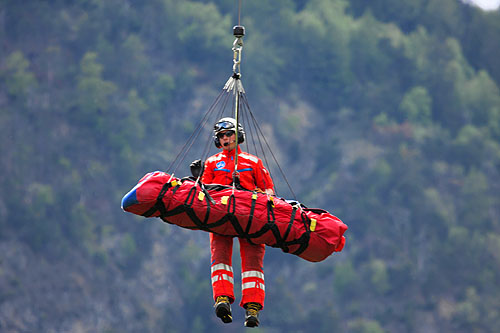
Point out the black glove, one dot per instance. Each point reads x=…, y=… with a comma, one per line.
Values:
x=197, y=167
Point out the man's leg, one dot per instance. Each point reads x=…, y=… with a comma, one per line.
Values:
x=221, y=249
x=252, y=280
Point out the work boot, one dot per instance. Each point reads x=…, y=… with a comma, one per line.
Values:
x=223, y=309
x=252, y=314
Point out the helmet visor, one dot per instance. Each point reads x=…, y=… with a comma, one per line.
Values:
x=223, y=126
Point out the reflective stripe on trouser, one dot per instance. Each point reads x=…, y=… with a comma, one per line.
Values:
x=253, y=288
x=223, y=281
x=221, y=248
x=252, y=261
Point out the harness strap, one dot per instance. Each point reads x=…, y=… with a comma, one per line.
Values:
x=231, y=204
x=287, y=232
x=190, y=197
x=186, y=208
x=159, y=205
x=302, y=241
x=232, y=218
x=250, y=216
x=272, y=224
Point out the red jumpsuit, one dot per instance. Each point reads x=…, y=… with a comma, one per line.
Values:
x=253, y=175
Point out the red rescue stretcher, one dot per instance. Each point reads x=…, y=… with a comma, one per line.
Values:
x=312, y=234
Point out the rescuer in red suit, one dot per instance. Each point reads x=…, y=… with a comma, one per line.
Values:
x=252, y=175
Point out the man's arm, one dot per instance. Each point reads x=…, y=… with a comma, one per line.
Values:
x=263, y=179
x=208, y=174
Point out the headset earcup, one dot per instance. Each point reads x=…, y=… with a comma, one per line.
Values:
x=217, y=142
x=241, y=134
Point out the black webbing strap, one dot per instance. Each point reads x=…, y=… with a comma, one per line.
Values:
x=281, y=242
x=187, y=207
x=230, y=216
x=252, y=210
x=231, y=210
x=159, y=205
x=190, y=197
x=287, y=232
x=271, y=222
x=304, y=239
x=231, y=203
x=250, y=217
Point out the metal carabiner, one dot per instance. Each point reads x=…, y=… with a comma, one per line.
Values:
x=238, y=32
x=237, y=49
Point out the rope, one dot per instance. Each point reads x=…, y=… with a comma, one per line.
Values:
x=251, y=128
x=219, y=114
x=189, y=142
x=239, y=12
x=268, y=147
x=241, y=106
x=186, y=207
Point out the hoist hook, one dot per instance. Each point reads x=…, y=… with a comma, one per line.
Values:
x=238, y=32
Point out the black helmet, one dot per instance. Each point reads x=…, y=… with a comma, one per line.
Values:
x=226, y=124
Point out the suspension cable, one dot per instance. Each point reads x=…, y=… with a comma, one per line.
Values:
x=209, y=141
x=240, y=106
x=239, y=12
x=189, y=142
x=267, y=145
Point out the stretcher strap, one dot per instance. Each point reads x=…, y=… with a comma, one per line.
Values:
x=190, y=212
x=231, y=204
x=250, y=217
x=271, y=222
x=304, y=239
x=159, y=205
x=230, y=217
x=292, y=218
x=190, y=198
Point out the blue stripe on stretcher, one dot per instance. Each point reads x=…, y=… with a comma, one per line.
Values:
x=130, y=199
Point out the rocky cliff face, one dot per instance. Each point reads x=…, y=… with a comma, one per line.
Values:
x=75, y=294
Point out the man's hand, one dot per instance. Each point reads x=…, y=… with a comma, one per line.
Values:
x=197, y=167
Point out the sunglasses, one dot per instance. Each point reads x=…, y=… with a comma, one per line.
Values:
x=227, y=134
